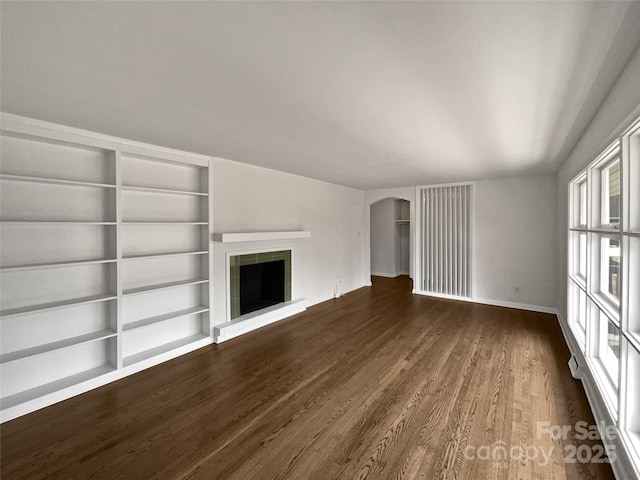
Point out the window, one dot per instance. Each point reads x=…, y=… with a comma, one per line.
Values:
x=582, y=215
x=610, y=268
x=579, y=202
x=604, y=279
x=631, y=290
x=611, y=195
x=582, y=255
x=578, y=312
x=608, y=348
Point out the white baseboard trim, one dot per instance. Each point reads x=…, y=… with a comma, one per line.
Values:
x=252, y=321
x=326, y=298
x=519, y=306
x=381, y=274
x=441, y=295
x=486, y=301
x=389, y=275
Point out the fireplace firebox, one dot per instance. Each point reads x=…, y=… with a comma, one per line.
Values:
x=258, y=281
x=261, y=285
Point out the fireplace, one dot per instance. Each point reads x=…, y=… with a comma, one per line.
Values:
x=258, y=281
x=261, y=285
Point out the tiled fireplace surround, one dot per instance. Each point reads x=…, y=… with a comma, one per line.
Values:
x=236, y=324
x=236, y=261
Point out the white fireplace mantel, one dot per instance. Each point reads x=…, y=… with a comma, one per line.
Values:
x=231, y=237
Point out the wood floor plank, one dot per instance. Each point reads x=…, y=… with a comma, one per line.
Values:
x=378, y=384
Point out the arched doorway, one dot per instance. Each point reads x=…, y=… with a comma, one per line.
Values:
x=390, y=237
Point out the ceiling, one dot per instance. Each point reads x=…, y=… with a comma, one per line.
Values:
x=362, y=94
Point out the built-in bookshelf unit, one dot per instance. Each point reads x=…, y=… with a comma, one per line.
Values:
x=104, y=260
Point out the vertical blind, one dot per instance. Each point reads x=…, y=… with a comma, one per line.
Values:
x=446, y=240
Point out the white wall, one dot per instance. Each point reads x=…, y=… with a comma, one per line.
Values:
x=514, y=240
x=248, y=198
x=621, y=106
x=383, y=241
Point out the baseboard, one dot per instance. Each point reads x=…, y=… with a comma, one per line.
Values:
x=441, y=295
x=519, y=306
x=385, y=275
x=486, y=301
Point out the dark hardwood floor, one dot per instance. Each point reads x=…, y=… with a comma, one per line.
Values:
x=377, y=384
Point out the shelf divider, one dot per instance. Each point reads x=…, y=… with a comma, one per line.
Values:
x=42, y=390
x=163, y=286
x=50, y=347
x=161, y=255
x=167, y=347
x=167, y=316
x=52, y=222
x=162, y=223
x=133, y=188
x=70, y=263
x=53, y=181
x=12, y=312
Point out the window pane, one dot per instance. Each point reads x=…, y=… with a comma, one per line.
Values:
x=611, y=194
x=611, y=353
x=632, y=284
x=582, y=253
x=610, y=267
x=582, y=308
x=608, y=347
x=633, y=184
x=583, y=203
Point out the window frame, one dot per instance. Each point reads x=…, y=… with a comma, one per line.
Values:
x=617, y=379
x=605, y=273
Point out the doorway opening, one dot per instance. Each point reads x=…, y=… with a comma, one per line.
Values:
x=390, y=238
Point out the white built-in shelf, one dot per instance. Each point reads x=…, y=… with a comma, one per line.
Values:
x=164, y=223
x=259, y=236
x=133, y=188
x=49, y=347
x=51, y=222
x=72, y=263
x=55, y=181
x=167, y=316
x=71, y=191
x=162, y=255
x=164, y=286
x=11, y=312
x=167, y=347
x=46, y=389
